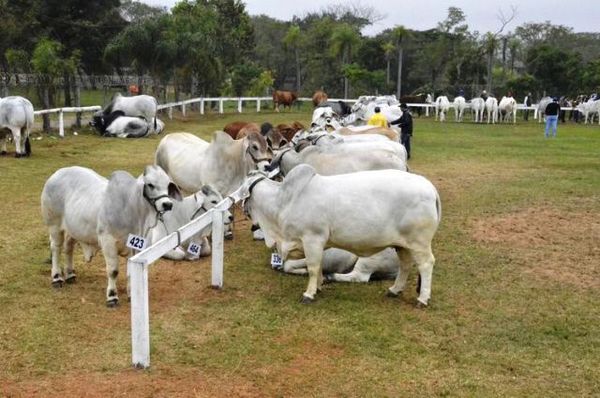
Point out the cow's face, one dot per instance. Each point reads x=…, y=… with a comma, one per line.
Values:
x=259, y=155
x=159, y=190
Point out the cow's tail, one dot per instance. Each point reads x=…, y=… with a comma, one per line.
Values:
x=155, y=124
x=438, y=206
x=27, y=146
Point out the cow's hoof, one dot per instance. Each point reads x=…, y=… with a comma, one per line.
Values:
x=18, y=155
x=3, y=153
x=58, y=283
x=228, y=236
x=71, y=279
x=306, y=300
x=328, y=278
x=112, y=303
x=420, y=305
x=392, y=294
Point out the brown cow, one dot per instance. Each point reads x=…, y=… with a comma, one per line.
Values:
x=319, y=97
x=288, y=130
x=234, y=128
x=238, y=130
x=285, y=98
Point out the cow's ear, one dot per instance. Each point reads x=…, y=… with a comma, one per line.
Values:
x=174, y=192
x=206, y=190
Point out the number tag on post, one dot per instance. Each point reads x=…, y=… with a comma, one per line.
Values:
x=276, y=261
x=194, y=249
x=136, y=242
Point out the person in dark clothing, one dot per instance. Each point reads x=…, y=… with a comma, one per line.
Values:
x=405, y=123
x=552, y=111
x=527, y=103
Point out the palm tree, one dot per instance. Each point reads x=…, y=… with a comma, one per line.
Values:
x=490, y=45
x=513, y=46
x=292, y=40
x=343, y=41
x=399, y=33
x=388, y=48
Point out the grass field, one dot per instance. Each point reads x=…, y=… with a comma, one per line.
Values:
x=514, y=308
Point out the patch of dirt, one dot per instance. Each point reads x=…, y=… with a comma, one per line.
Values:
x=561, y=246
x=133, y=383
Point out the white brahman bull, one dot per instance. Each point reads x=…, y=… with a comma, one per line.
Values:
x=588, y=109
x=507, y=108
x=142, y=106
x=362, y=212
x=541, y=108
x=16, y=115
x=342, y=266
x=477, y=108
x=224, y=163
x=442, y=104
x=133, y=127
x=459, y=105
x=183, y=212
x=78, y=205
x=342, y=158
x=491, y=108
x=364, y=109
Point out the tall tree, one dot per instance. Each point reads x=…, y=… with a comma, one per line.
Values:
x=292, y=40
x=400, y=34
x=388, y=49
x=343, y=41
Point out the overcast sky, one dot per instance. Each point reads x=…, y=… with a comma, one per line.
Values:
x=581, y=15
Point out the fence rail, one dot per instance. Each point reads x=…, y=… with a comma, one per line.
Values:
x=239, y=108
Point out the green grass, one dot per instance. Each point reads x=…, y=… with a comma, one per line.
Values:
x=496, y=326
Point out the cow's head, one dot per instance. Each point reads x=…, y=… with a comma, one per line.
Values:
x=159, y=191
x=101, y=120
x=258, y=153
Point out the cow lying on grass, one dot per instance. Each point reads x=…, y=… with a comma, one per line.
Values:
x=79, y=205
x=191, y=207
x=362, y=212
x=343, y=266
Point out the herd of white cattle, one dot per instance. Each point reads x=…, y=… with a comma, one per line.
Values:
x=346, y=207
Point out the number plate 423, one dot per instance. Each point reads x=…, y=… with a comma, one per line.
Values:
x=136, y=242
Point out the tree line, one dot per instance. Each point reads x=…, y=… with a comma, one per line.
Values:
x=214, y=47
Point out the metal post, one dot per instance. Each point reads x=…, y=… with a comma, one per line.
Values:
x=61, y=124
x=239, y=105
x=202, y=106
x=221, y=105
x=170, y=113
x=183, y=109
x=140, y=318
x=258, y=105
x=427, y=110
x=217, y=250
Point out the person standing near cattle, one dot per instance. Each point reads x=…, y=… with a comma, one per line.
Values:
x=405, y=123
x=378, y=119
x=527, y=103
x=551, y=112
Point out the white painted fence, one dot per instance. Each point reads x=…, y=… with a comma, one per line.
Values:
x=62, y=111
x=137, y=270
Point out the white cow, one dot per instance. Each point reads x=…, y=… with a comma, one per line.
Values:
x=589, y=109
x=362, y=212
x=541, y=108
x=441, y=107
x=477, y=107
x=507, y=108
x=16, y=115
x=343, y=266
x=343, y=158
x=491, y=107
x=459, y=107
x=133, y=127
x=183, y=212
x=364, y=109
x=144, y=106
x=78, y=205
x=224, y=163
